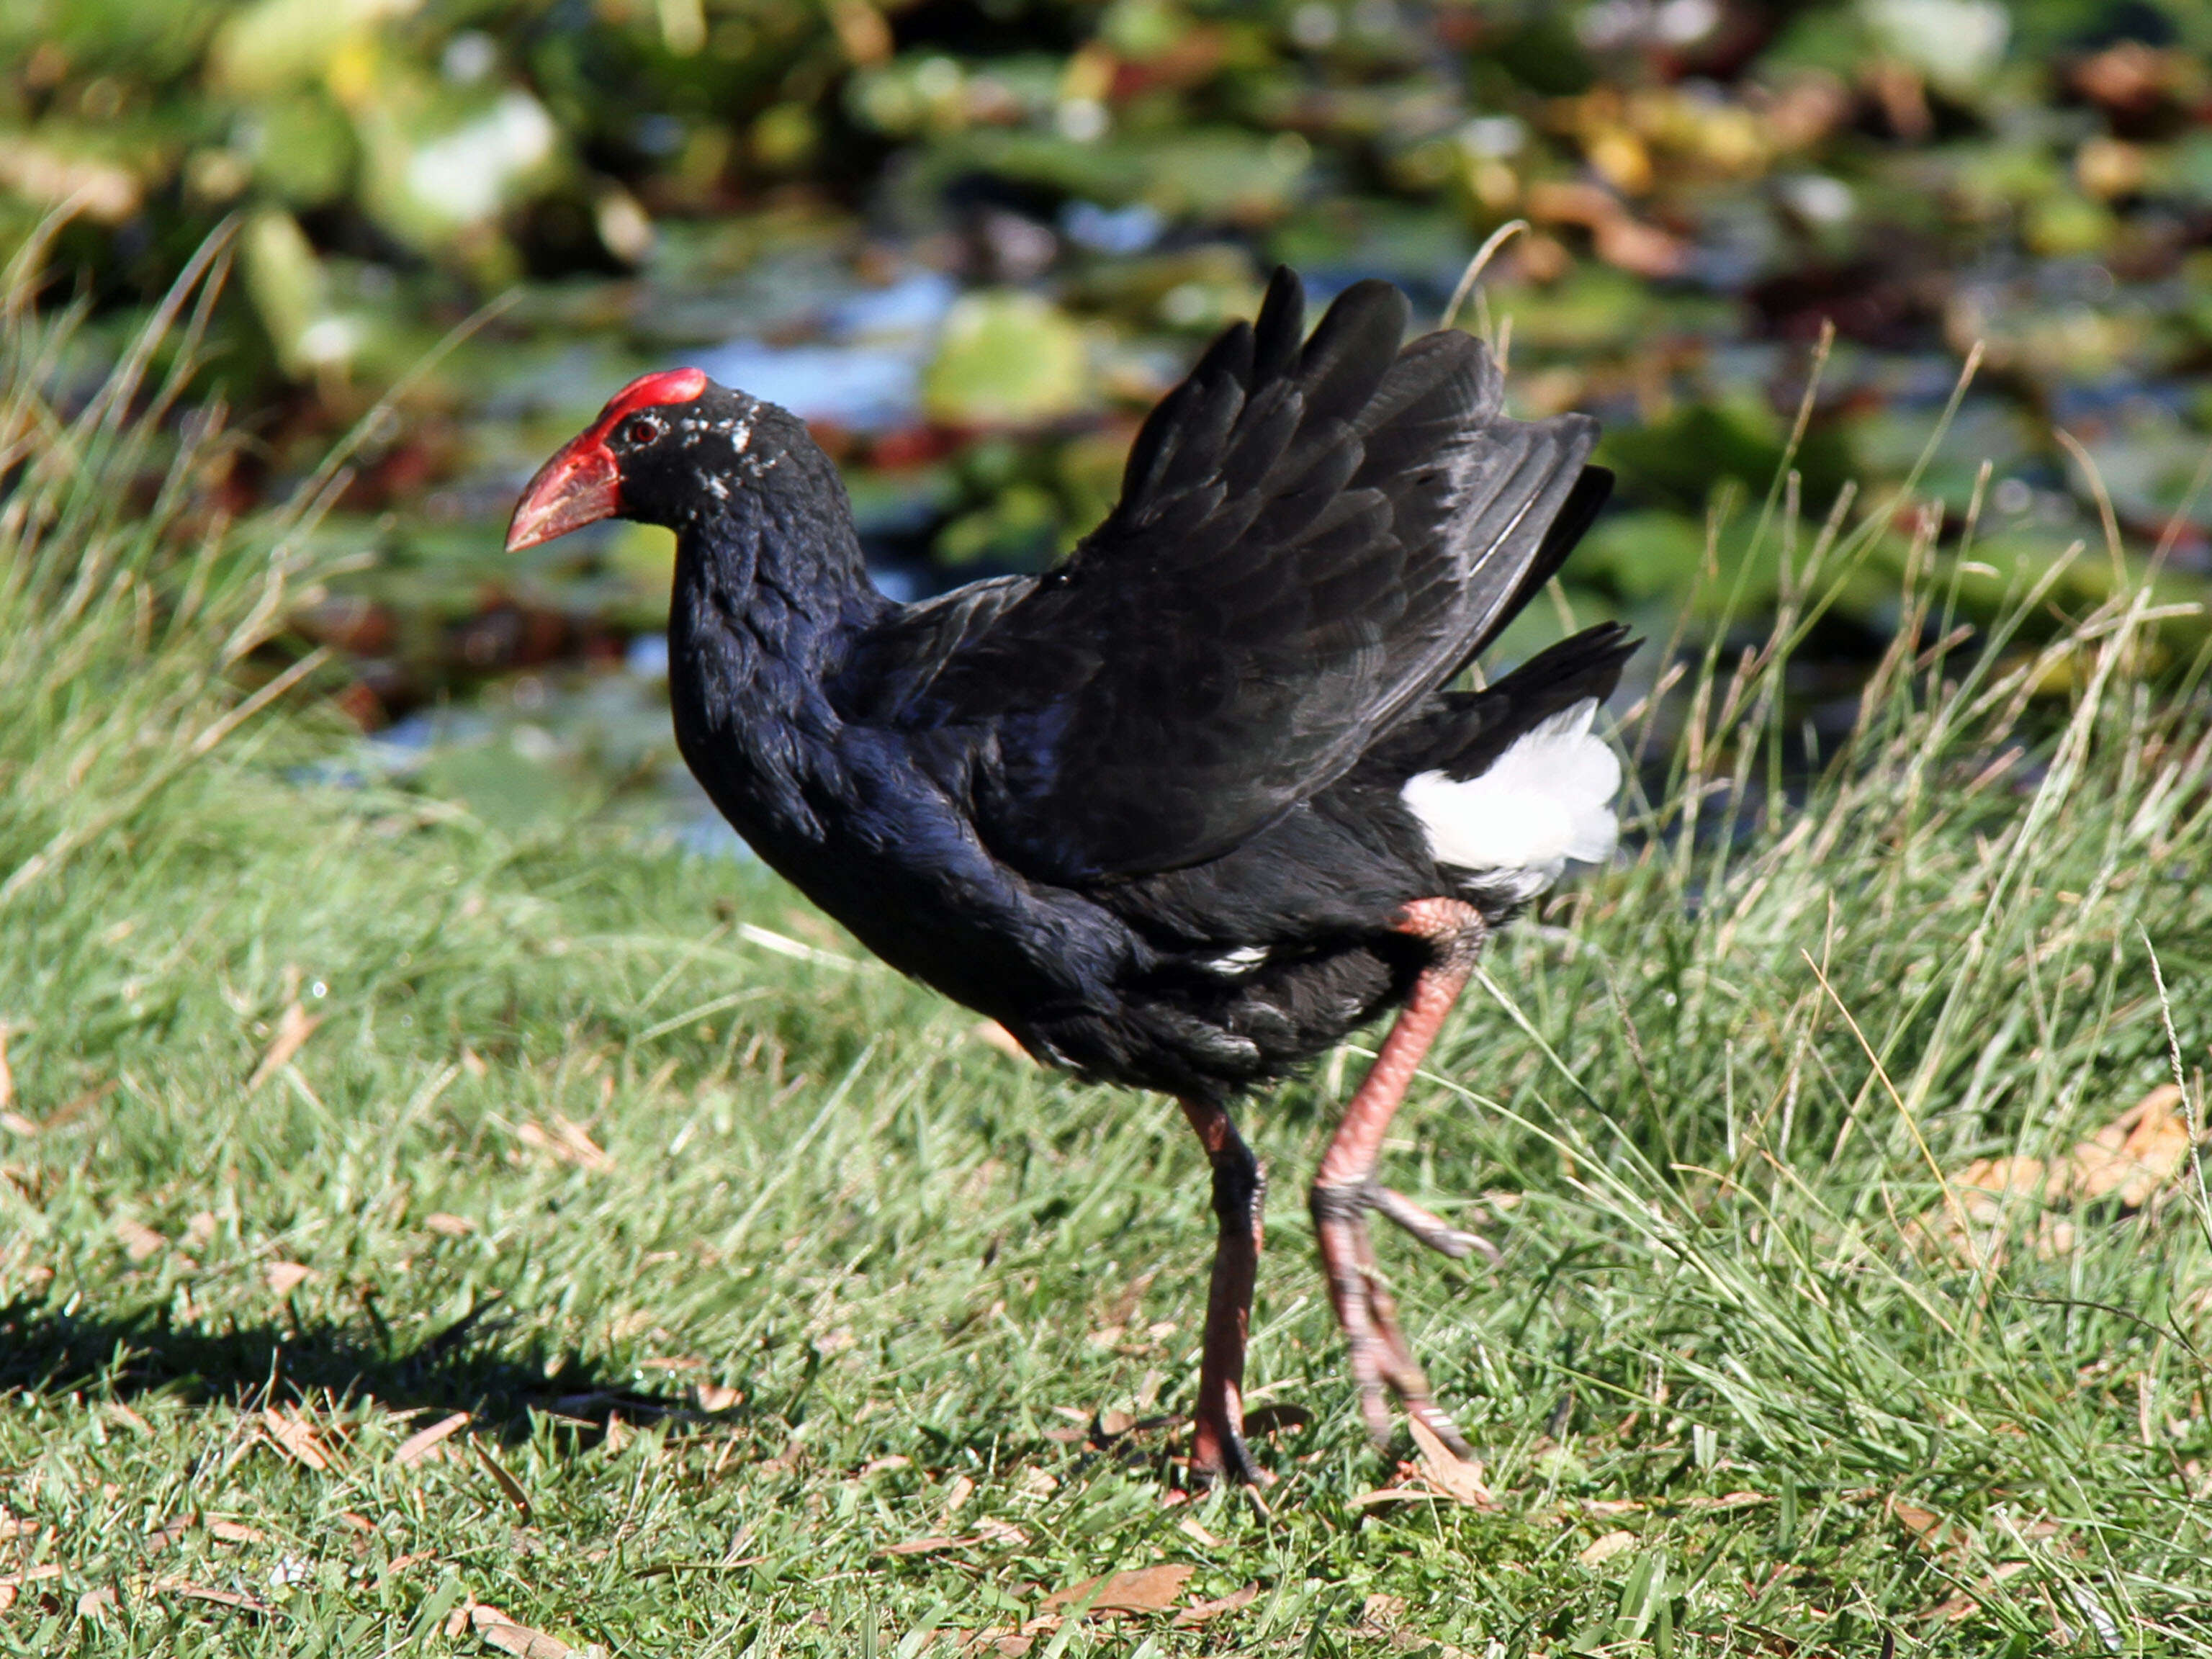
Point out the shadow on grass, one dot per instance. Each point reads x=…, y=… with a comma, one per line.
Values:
x=465, y=1368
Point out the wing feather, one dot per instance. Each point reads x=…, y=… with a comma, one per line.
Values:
x=1314, y=534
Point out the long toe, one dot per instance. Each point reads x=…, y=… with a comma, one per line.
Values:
x=1438, y=1422
x=1221, y=1453
x=1431, y=1229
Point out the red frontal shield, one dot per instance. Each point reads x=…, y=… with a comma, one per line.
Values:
x=582, y=483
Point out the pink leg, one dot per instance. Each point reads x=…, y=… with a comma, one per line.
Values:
x=1344, y=1188
x=1239, y=1187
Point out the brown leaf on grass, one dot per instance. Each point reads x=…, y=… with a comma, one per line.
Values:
x=285, y=1277
x=2133, y=1159
x=1367, y=1500
x=2136, y=1153
x=924, y=1546
x=505, y=1634
x=715, y=1397
x=510, y=1487
x=1934, y=1531
x=1140, y=1590
x=96, y=1603
x=1727, y=1500
x=236, y=1532
x=139, y=1240
x=16, y=1123
x=12, y=1528
x=1459, y=1478
x=568, y=1141
x=296, y=1439
x=421, y=1443
x=992, y=1531
x=1605, y=1548
x=222, y=1598
x=1198, y=1613
x=293, y=1027
x=449, y=1226
x=11, y=1583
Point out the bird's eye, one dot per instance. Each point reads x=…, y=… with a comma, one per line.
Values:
x=642, y=430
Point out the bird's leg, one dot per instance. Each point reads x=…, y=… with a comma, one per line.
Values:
x=1239, y=1187
x=1344, y=1188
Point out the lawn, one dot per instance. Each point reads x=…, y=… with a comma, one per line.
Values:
x=416, y=1235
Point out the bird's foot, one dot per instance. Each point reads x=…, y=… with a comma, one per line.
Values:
x=1218, y=1450
x=1429, y=1228
x=1383, y=1363
x=1353, y=1201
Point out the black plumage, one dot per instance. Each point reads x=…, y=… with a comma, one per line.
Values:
x=1148, y=809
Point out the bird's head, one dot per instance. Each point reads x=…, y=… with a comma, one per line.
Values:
x=666, y=448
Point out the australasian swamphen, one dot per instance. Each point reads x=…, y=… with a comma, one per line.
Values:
x=1186, y=809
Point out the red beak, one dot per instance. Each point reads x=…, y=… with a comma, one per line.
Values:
x=581, y=485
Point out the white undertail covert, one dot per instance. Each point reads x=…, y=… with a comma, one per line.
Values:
x=1548, y=799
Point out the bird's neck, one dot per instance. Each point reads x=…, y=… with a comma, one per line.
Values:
x=770, y=592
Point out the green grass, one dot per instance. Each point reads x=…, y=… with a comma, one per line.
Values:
x=748, y=1262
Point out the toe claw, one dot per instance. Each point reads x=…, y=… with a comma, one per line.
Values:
x=1431, y=1229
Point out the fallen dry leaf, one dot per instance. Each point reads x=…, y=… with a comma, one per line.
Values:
x=2133, y=1159
x=1198, y=1613
x=715, y=1397
x=2136, y=1153
x=924, y=1546
x=285, y=1277
x=1190, y=1528
x=293, y=1027
x=506, y=1483
x=958, y=1492
x=94, y=1603
x=1140, y=1590
x=1728, y=1500
x=568, y=1141
x=1000, y=1531
x=11, y=1583
x=1929, y=1528
x=449, y=1226
x=139, y=1240
x=1390, y=1495
x=500, y=1631
x=421, y=1443
x=222, y=1598
x=1605, y=1548
x=1459, y=1478
x=235, y=1532
x=296, y=1438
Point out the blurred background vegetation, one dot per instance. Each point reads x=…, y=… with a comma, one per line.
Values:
x=971, y=240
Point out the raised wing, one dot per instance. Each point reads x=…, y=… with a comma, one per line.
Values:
x=1312, y=535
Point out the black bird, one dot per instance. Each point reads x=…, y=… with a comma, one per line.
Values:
x=1186, y=809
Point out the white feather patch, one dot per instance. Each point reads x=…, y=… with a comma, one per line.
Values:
x=1548, y=799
